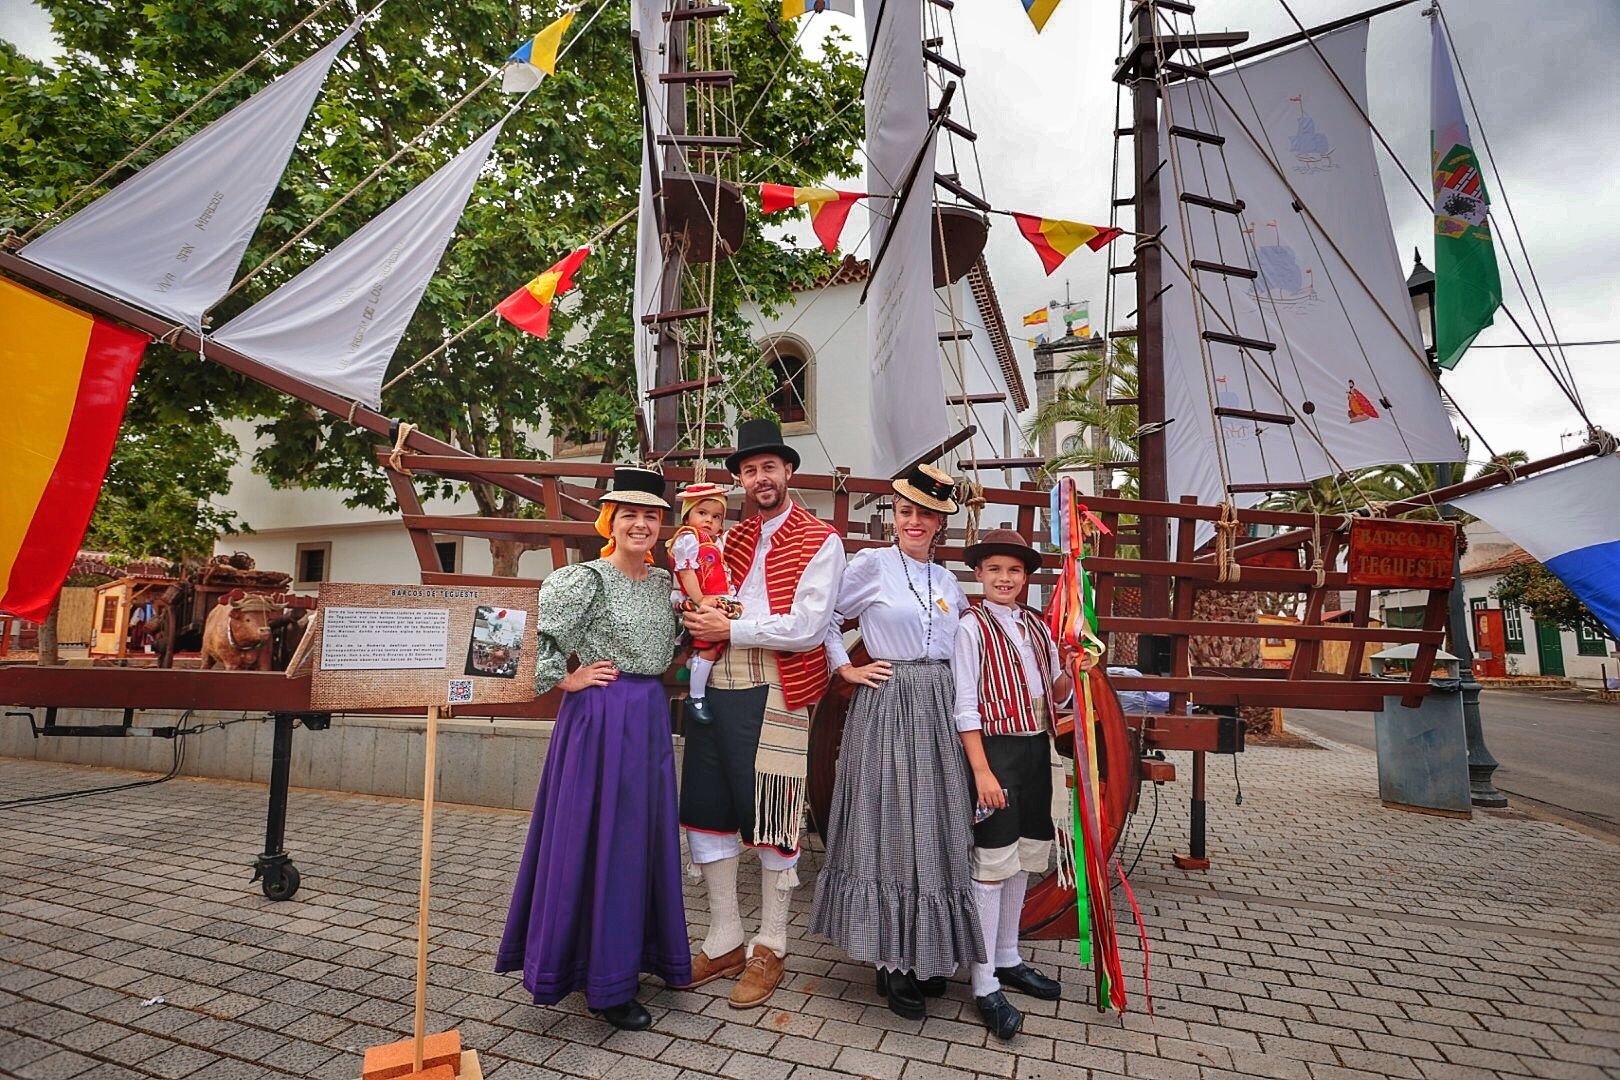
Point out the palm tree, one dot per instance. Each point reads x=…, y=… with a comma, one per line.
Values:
x=1105, y=431
x=1349, y=492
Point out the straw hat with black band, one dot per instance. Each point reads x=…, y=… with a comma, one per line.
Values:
x=1003, y=542
x=635, y=486
x=928, y=487
x=632, y=486
x=755, y=437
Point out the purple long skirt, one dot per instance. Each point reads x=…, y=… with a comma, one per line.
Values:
x=598, y=893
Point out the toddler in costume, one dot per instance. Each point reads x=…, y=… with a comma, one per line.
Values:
x=695, y=555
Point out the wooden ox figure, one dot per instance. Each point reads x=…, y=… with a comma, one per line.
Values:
x=237, y=634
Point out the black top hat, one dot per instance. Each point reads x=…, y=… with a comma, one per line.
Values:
x=1002, y=542
x=756, y=437
x=637, y=487
x=928, y=487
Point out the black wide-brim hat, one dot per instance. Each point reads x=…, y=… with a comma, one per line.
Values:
x=635, y=486
x=1002, y=542
x=755, y=437
x=928, y=487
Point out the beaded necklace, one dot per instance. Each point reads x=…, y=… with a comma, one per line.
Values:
x=926, y=605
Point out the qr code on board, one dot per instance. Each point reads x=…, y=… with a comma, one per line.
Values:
x=461, y=691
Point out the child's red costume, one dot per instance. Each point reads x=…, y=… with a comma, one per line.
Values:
x=691, y=548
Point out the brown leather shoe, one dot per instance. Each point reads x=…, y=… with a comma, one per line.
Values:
x=705, y=971
x=759, y=979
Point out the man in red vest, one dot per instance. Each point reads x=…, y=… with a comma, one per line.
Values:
x=743, y=780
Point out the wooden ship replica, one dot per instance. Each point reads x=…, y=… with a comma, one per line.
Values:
x=1150, y=568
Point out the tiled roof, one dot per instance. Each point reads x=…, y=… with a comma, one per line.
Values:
x=849, y=272
x=1500, y=563
x=984, y=294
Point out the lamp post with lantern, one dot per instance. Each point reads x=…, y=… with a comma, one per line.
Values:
x=1482, y=791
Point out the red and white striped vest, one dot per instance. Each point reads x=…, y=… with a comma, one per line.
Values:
x=793, y=545
x=1005, y=706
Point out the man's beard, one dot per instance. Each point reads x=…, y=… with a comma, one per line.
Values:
x=775, y=495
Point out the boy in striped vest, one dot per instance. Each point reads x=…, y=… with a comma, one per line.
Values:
x=743, y=775
x=1008, y=682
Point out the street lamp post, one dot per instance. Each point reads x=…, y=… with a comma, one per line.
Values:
x=1482, y=791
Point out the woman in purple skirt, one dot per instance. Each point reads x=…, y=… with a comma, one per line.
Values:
x=598, y=894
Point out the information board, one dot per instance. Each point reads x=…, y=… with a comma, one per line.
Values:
x=406, y=646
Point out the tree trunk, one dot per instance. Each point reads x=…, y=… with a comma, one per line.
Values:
x=48, y=654
x=1213, y=606
x=505, y=555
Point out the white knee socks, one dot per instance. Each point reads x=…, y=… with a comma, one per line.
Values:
x=988, y=894
x=776, y=887
x=1012, y=910
x=699, y=686
x=725, y=924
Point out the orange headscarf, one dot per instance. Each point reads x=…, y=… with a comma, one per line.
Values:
x=604, y=529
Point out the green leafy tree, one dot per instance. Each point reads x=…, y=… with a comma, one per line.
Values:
x=1106, y=432
x=567, y=164
x=1531, y=585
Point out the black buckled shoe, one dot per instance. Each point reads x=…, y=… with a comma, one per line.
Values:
x=1001, y=1017
x=697, y=710
x=904, y=995
x=1027, y=980
x=934, y=987
x=631, y=1016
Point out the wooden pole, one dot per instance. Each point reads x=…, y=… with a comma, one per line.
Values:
x=429, y=764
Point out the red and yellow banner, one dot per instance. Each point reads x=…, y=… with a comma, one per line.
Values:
x=67, y=377
x=829, y=209
x=1055, y=240
x=530, y=307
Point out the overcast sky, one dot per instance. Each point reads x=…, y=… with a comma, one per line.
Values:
x=1544, y=81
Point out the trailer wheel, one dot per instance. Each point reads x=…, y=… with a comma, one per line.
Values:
x=280, y=884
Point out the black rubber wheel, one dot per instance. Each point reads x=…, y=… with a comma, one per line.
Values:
x=282, y=886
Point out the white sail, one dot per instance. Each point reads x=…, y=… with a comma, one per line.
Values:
x=338, y=322
x=1347, y=365
x=646, y=19
x=170, y=238
x=907, y=391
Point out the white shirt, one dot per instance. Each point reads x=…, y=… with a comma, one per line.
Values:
x=804, y=624
x=966, y=663
x=893, y=623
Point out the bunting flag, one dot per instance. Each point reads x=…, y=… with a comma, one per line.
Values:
x=536, y=58
x=1036, y=317
x=1055, y=240
x=170, y=238
x=529, y=308
x=67, y=377
x=1039, y=11
x=792, y=9
x=829, y=209
x=1467, y=284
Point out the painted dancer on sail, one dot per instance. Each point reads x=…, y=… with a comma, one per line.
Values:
x=743, y=778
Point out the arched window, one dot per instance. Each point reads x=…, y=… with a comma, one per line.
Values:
x=791, y=368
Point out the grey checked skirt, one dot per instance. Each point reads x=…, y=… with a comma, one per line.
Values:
x=896, y=889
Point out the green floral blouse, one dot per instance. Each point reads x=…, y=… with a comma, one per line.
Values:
x=595, y=612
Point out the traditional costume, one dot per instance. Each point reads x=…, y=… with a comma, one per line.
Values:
x=1358, y=405
x=743, y=776
x=895, y=890
x=1005, y=665
x=692, y=548
x=598, y=893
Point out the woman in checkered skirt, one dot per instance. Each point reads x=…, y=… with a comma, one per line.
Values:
x=896, y=890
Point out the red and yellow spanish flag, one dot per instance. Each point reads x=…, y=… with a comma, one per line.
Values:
x=67, y=377
x=1036, y=318
x=1056, y=240
x=530, y=307
x=829, y=209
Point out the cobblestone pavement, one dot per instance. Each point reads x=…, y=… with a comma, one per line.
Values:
x=1332, y=939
